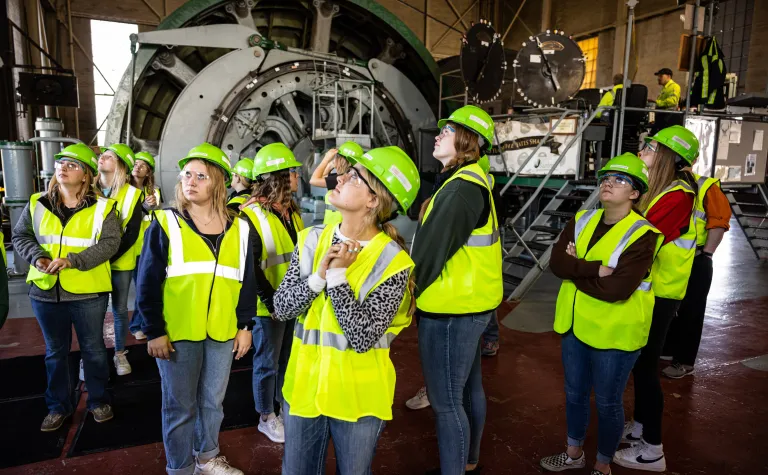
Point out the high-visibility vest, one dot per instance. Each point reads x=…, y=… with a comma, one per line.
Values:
x=607, y=325
x=80, y=232
x=201, y=290
x=332, y=215
x=608, y=98
x=128, y=198
x=674, y=261
x=276, y=246
x=146, y=220
x=471, y=280
x=2, y=242
x=238, y=199
x=325, y=376
x=699, y=214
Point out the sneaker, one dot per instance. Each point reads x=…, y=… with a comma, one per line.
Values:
x=560, y=462
x=139, y=335
x=642, y=456
x=216, y=466
x=677, y=370
x=273, y=428
x=633, y=433
x=598, y=472
x=419, y=401
x=81, y=376
x=103, y=413
x=490, y=348
x=52, y=422
x=665, y=358
x=122, y=365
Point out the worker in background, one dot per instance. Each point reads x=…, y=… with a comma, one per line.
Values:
x=143, y=178
x=242, y=175
x=4, y=302
x=712, y=216
x=457, y=253
x=323, y=177
x=350, y=287
x=115, y=165
x=604, y=308
x=275, y=221
x=668, y=205
x=610, y=95
x=668, y=99
x=70, y=278
x=196, y=292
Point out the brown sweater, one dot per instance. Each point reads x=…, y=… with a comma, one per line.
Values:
x=632, y=268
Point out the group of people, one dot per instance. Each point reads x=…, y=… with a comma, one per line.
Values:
x=216, y=275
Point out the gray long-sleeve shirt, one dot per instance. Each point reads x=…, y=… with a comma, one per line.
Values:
x=25, y=242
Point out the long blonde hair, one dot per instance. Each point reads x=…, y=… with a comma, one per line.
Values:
x=275, y=190
x=467, y=148
x=381, y=216
x=218, y=193
x=86, y=189
x=662, y=174
x=119, y=180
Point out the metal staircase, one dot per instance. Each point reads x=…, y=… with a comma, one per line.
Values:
x=750, y=208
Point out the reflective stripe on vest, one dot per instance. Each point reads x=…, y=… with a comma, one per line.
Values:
x=269, y=240
x=126, y=210
x=309, y=247
x=180, y=268
x=98, y=222
x=335, y=340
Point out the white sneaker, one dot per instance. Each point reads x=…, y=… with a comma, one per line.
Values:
x=419, y=401
x=139, y=335
x=273, y=428
x=560, y=462
x=122, y=365
x=633, y=433
x=642, y=456
x=82, y=372
x=666, y=358
x=217, y=466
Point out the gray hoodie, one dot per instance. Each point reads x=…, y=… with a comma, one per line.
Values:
x=25, y=243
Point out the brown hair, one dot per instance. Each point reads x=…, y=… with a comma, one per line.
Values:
x=467, y=148
x=86, y=189
x=344, y=164
x=662, y=174
x=618, y=79
x=381, y=214
x=275, y=189
x=149, y=181
x=218, y=192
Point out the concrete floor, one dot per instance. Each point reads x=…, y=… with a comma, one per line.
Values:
x=715, y=422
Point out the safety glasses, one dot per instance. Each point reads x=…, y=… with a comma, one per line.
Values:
x=356, y=179
x=67, y=165
x=617, y=181
x=186, y=176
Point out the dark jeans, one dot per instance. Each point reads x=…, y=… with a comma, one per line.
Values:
x=450, y=359
x=607, y=371
x=649, y=399
x=56, y=320
x=271, y=349
x=685, y=333
x=121, y=285
x=491, y=333
x=306, y=444
x=136, y=319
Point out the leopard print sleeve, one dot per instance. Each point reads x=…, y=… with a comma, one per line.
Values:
x=293, y=297
x=365, y=323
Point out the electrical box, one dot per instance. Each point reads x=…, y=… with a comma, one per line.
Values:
x=48, y=90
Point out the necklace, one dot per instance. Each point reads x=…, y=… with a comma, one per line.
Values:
x=204, y=224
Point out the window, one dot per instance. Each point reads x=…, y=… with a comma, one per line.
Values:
x=589, y=48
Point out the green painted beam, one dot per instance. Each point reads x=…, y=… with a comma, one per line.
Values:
x=555, y=183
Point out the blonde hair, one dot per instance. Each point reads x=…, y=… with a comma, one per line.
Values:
x=86, y=189
x=467, y=148
x=218, y=191
x=344, y=164
x=381, y=215
x=149, y=181
x=120, y=178
x=275, y=189
x=662, y=174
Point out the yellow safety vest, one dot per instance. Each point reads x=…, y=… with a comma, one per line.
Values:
x=127, y=199
x=471, y=280
x=699, y=214
x=2, y=242
x=604, y=325
x=146, y=220
x=332, y=215
x=674, y=261
x=276, y=246
x=80, y=232
x=238, y=200
x=325, y=376
x=201, y=290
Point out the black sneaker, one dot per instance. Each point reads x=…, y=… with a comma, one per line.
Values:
x=560, y=462
x=102, y=413
x=53, y=421
x=598, y=472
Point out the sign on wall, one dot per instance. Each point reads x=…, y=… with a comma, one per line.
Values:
x=517, y=140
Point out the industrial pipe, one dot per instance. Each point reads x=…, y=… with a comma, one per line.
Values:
x=627, y=49
x=692, y=61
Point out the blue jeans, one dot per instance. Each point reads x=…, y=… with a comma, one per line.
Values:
x=56, y=320
x=306, y=444
x=135, y=324
x=607, y=371
x=121, y=285
x=194, y=382
x=450, y=359
x=491, y=333
x=271, y=349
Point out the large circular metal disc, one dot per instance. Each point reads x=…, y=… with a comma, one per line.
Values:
x=482, y=62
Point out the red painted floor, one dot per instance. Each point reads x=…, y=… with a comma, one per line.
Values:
x=715, y=422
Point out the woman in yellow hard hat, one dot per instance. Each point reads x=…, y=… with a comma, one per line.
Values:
x=669, y=206
x=275, y=222
x=195, y=294
x=143, y=178
x=604, y=308
x=115, y=165
x=242, y=180
x=350, y=288
x=323, y=177
x=69, y=234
